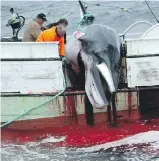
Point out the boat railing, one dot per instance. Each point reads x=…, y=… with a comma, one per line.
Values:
x=136, y=30
x=152, y=32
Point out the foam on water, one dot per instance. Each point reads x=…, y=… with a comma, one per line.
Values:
x=53, y=139
x=44, y=150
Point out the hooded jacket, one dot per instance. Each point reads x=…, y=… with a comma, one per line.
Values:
x=54, y=25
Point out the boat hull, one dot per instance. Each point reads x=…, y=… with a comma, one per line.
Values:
x=66, y=116
x=62, y=111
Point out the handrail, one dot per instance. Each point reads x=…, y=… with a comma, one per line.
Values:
x=136, y=24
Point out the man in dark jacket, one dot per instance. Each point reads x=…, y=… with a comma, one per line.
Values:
x=61, y=21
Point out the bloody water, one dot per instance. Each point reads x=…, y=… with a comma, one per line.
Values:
x=81, y=136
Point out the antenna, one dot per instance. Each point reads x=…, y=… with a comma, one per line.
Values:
x=151, y=11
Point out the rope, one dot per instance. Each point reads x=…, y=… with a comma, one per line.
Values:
x=34, y=108
x=152, y=12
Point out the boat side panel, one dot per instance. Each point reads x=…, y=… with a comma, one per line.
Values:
x=31, y=76
x=61, y=107
x=29, y=50
x=142, y=47
x=143, y=71
x=71, y=121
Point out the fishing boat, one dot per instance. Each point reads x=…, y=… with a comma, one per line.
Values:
x=36, y=101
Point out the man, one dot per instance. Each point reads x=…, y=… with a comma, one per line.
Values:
x=62, y=21
x=34, y=28
x=54, y=34
x=14, y=22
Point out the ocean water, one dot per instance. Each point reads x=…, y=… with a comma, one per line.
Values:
x=117, y=14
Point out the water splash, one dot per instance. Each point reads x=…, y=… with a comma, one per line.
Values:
x=53, y=139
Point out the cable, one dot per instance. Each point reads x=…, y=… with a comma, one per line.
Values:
x=152, y=12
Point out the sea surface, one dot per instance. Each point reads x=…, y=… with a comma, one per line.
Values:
x=117, y=14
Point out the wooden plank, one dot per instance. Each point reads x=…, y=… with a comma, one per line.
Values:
x=143, y=71
x=31, y=76
x=29, y=50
